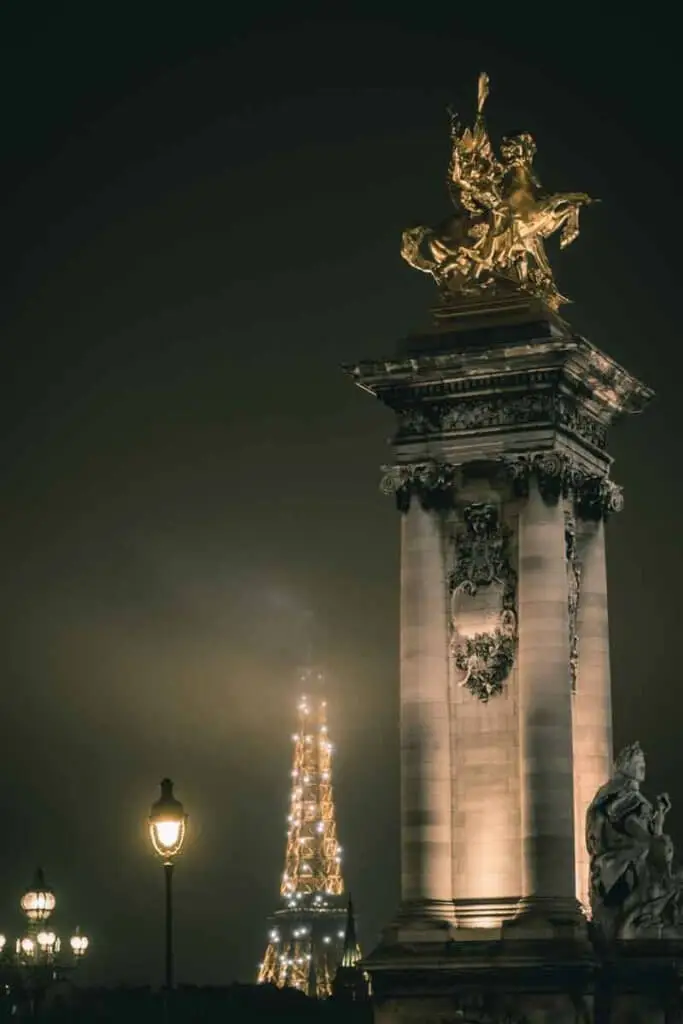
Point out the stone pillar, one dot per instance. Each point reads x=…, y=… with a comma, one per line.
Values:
x=425, y=743
x=545, y=707
x=487, y=847
x=593, y=699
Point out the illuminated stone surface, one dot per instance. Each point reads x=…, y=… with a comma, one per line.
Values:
x=502, y=417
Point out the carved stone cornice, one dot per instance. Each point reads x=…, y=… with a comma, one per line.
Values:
x=451, y=365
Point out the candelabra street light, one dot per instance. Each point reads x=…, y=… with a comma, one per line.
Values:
x=36, y=958
x=167, y=827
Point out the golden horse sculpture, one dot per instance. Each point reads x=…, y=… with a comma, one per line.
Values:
x=495, y=239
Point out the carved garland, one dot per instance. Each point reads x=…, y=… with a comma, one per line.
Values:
x=482, y=560
x=574, y=593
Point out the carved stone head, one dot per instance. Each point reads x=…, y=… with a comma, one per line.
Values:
x=631, y=762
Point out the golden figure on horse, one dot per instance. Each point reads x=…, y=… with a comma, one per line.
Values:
x=495, y=240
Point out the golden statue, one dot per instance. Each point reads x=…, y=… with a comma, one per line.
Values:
x=495, y=239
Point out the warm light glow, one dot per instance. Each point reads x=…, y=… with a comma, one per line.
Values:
x=3, y=942
x=312, y=862
x=79, y=943
x=27, y=946
x=39, y=902
x=46, y=940
x=167, y=833
x=167, y=823
x=490, y=921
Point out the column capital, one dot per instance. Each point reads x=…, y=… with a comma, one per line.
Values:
x=435, y=482
x=432, y=482
x=560, y=475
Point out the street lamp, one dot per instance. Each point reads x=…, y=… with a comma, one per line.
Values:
x=38, y=901
x=79, y=943
x=167, y=827
x=33, y=962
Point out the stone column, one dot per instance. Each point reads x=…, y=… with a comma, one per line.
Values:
x=593, y=698
x=545, y=708
x=425, y=743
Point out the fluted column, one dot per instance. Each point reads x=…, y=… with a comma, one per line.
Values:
x=545, y=707
x=425, y=744
x=593, y=699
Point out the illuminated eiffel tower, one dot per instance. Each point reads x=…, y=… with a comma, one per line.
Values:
x=306, y=936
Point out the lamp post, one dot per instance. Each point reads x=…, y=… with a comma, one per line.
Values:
x=167, y=827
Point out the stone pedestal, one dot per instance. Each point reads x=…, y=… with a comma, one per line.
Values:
x=502, y=479
x=530, y=983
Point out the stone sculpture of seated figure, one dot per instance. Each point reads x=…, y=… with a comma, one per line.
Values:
x=635, y=889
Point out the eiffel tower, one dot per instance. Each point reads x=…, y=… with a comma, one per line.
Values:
x=306, y=934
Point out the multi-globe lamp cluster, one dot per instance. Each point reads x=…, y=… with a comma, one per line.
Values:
x=39, y=957
x=41, y=946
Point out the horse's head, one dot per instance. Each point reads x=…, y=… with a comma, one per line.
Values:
x=518, y=148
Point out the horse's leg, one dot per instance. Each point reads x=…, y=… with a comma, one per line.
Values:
x=570, y=229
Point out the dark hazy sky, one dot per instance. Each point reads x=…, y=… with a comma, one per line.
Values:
x=201, y=221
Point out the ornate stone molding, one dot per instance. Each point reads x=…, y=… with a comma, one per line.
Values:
x=474, y=414
x=431, y=482
x=560, y=476
x=572, y=419
x=502, y=411
x=574, y=592
x=482, y=562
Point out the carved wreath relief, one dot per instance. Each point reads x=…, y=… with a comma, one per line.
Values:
x=483, y=590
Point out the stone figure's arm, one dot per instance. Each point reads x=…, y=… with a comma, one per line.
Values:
x=662, y=808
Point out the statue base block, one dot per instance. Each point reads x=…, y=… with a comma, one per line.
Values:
x=474, y=312
x=526, y=981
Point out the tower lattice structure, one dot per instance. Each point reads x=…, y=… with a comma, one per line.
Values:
x=306, y=937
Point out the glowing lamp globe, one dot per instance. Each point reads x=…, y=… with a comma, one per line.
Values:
x=79, y=943
x=38, y=901
x=167, y=823
x=3, y=942
x=46, y=941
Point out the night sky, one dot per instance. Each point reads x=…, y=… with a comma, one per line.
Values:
x=201, y=219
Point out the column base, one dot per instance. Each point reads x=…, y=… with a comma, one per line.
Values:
x=540, y=917
x=484, y=915
x=420, y=921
